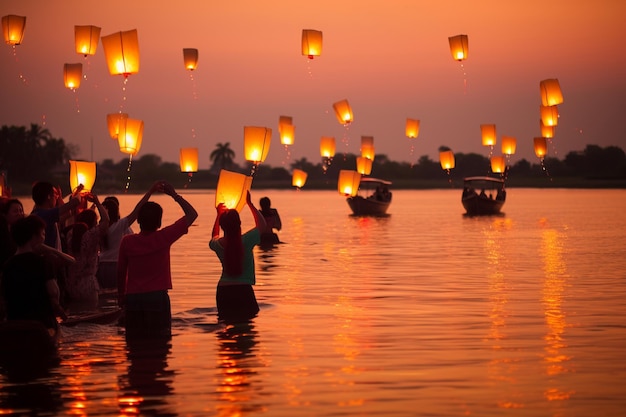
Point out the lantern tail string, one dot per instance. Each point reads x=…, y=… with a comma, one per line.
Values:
x=130, y=162
x=20, y=74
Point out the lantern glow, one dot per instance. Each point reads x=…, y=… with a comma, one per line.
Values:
x=86, y=39
x=412, y=128
x=343, y=111
x=82, y=172
x=509, y=144
x=298, y=178
x=122, y=52
x=546, y=131
x=459, y=46
x=549, y=115
x=188, y=159
x=114, y=120
x=232, y=188
x=190, y=58
x=551, y=94
x=363, y=165
x=348, y=183
x=327, y=146
x=541, y=147
x=488, y=133
x=287, y=134
x=446, y=159
x=311, y=43
x=130, y=136
x=72, y=75
x=13, y=28
x=498, y=164
x=256, y=142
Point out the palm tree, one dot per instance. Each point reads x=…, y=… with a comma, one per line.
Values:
x=222, y=157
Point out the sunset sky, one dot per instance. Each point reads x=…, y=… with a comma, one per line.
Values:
x=391, y=60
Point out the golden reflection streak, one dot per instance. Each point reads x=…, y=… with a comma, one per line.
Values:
x=555, y=283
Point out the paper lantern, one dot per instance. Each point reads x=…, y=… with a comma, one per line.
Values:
x=190, y=58
x=551, y=94
x=348, y=183
x=549, y=115
x=327, y=146
x=13, y=28
x=446, y=159
x=488, y=133
x=363, y=165
x=541, y=147
x=459, y=46
x=72, y=75
x=121, y=50
x=412, y=128
x=256, y=143
x=298, y=178
x=546, y=131
x=82, y=172
x=367, y=147
x=114, y=121
x=130, y=136
x=86, y=39
x=311, y=43
x=509, y=144
x=188, y=159
x=498, y=164
x=232, y=188
x=287, y=134
x=343, y=111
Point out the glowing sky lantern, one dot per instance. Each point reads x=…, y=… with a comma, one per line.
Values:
x=190, y=58
x=311, y=43
x=298, y=178
x=232, y=188
x=256, y=143
x=549, y=115
x=509, y=144
x=114, y=120
x=327, y=147
x=459, y=47
x=488, y=133
x=348, y=182
x=412, y=128
x=541, y=147
x=189, y=160
x=72, y=75
x=13, y=28
x=130, y=136
x=86, y=39
x=343, y=111
x=551, y=94
x=286, y=130
x=546, y=131
x=367, y=147
x=363, y=165
x=446, y=159
x=498, y=164
x=122, y=52
x=82, y=172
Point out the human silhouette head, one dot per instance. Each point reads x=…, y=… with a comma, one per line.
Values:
x=149, y=216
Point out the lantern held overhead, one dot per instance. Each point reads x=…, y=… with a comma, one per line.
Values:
x=82, y=172
x=459, y=46
x=232, y=188
x=86, y=39
x=311, y=43
x=13, y=28
x=121, y=50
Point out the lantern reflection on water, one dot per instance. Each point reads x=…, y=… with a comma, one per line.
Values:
x=13, y=28
x=311, y=43
x=82, y=172
x=121, y=50
x=232, y=188
x=72, y=75
x=298, y=178
x=348, y=182
x=86, y=39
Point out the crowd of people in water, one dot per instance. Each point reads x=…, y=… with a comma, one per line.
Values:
x=68, y=254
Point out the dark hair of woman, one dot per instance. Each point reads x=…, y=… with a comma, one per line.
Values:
x=233, y=245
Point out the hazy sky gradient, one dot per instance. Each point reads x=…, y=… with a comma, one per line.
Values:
x=391, y=60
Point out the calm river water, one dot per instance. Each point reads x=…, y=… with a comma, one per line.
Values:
x=421, y=313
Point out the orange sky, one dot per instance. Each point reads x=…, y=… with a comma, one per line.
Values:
x=391, y=60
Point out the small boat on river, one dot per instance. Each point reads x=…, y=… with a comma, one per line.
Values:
x=376, y=200
x=483, y=195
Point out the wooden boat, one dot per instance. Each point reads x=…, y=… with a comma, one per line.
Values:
x=483, y=195
x=377, y=199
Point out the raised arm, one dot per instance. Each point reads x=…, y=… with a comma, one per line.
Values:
x=259, y=220
x=157, y=186
x=190, y=213
x=221, y=208
x=103, y=225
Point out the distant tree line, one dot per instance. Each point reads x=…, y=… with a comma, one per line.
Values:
x=31, y=154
